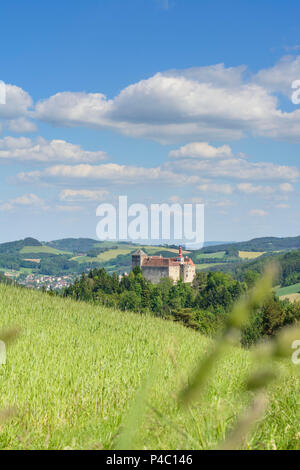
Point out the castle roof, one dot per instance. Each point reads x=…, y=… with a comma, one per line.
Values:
x=157, y=261
x=139, y=252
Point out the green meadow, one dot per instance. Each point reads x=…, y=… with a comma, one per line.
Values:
x=294, y=289
x=42, y=250
x=217, y=255
x=75, y=371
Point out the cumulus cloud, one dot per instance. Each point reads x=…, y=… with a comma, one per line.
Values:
x=21, y=126
x=212, y=102
x=191, y=172
x=27, y=200
x=164, y=108
x=249, y=188
x=234, y=168
x=216, y=188
x=75, y=195
x=17, y=103
x=110, y=173
x=15, y=113
x=41, y=150
x=258, y=213
x=286, y=188
x=201, y=150
x=279, y=78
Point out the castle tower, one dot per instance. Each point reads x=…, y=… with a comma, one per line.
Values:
x=180, y=257
x=138, y=258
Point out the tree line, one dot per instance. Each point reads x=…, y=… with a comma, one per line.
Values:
x=202, y=305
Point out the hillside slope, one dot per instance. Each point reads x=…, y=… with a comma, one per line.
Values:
x=76, y=367
x=263, y=244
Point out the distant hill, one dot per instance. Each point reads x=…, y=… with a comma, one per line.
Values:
x=289, y=266
x=77, y=255
x=74, y=245
x=69, y=256
x=214, y=243
x=263, y=244
x=12, y=247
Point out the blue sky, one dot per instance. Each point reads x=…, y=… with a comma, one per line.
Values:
x=164, y=101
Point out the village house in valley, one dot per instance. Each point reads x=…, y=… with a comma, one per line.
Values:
x=155, y=268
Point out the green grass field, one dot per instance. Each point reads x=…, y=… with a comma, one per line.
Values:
x=217, y=255
x=75, y=369
x=43, y=249
x=294, y=289
x=201, y=266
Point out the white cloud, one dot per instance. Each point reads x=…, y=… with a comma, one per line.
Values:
x=278, y=192
x=15, y=113
x=175, y=199
x=234, y=168
x=279, y=78
x=258, y=212
x=165, y=108
x=216, y=188
x=201, y=150
x=197, y=104
x=286, y=188
x=249, y=188
x=202, y=103
x=109, y=172
x=223, y=203
x=283, y=206
x=27, y=200
x=18, y=102
x=21, y=126
x=73, y=195
x=41, y=150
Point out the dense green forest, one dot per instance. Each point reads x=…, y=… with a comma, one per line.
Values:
x=288, y=267
x=204, y=305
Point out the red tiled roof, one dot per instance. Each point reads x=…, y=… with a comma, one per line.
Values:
x=158, y=261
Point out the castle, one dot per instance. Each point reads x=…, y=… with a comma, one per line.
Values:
x=155, y=268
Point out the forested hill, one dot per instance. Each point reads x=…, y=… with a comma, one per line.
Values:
x=72, y=256
x=288, y=266
x=265, y=244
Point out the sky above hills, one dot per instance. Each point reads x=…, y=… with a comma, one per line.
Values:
x=175, y=101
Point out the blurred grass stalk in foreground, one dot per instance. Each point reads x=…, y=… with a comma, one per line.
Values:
x=265, y=353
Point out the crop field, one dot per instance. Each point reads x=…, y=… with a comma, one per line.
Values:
x=103, y=257
x=250, y=254
x=73, y=374
x=291, y=293
x=42, y=249
x=291, y=297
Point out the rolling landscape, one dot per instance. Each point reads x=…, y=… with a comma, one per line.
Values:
x=73, y=373
x=150, y=230
x=29, y=260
